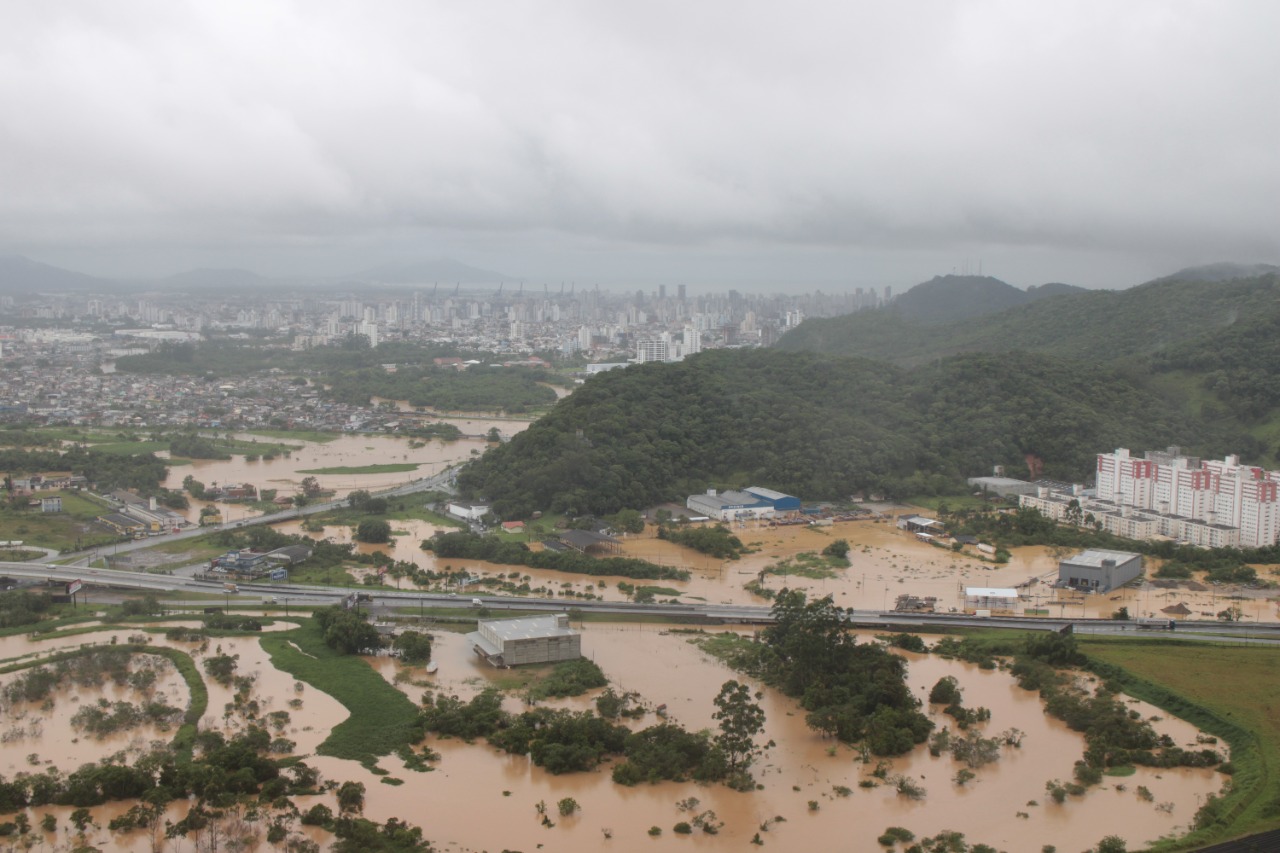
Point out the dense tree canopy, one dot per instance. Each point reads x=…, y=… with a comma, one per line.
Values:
x=817, y=427
x=108, y=471
x=854, y=691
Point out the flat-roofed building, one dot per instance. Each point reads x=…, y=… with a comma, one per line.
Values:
x=1002, y=486
x=471, y=511
x=1098, y=570
x=534, y=639
x=990, y=599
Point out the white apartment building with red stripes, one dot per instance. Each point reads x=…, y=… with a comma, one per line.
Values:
x=1192, y=499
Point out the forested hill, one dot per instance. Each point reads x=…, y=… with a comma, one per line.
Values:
x=820, y=427
x=947, y=298
x=1100, y=326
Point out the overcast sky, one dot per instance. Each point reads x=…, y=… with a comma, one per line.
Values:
x=797, y=144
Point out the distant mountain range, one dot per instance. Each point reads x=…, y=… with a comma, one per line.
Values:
x=442, y=270
x=19, y=275
x=205, y=278
x=956, y=314
x=22, y=276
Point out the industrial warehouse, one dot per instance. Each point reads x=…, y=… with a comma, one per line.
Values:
x=534, y=639
x=752, y=502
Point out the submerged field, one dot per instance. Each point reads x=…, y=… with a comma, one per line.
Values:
x=347, y=716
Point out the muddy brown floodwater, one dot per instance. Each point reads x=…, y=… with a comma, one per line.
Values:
x=884, y=563
x=481, y=799
x=285, y=474
x=406, y=542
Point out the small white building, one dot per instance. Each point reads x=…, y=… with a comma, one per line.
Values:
x=990, y=599
x=535, y=639
x=469, y=511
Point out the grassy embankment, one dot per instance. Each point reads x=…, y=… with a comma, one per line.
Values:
x=297, y=435
x=382, y=718
x=384, y=468
x=1228, y=691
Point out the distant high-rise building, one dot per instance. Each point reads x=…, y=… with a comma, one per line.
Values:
x=692, y=340
x=680, y=292
x=651, y=351
x=370, y=331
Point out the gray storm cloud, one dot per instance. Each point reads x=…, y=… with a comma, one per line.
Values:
x=1137, y=127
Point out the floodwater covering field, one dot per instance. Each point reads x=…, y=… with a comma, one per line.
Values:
x=285, y=473
x=501, y=791
x=480, y=799
x=884, y=563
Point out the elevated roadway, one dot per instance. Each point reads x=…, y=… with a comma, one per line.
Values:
x=437, y=482
x=315, y=594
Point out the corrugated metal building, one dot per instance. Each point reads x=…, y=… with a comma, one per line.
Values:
x=1099, y=570
x=535, y=639
x=781, y=502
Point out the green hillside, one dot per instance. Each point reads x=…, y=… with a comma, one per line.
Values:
x=1101, y=326
x=823, y=427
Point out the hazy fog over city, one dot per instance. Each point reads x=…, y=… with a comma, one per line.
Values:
x=788, y=146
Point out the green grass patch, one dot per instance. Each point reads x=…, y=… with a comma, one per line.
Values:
x=1120, y=771
x=328, y=575
x=131, y=448
x=75, y=525
x=1230, y=692
x=298, y=435
x=809, y=564
x=382, y=718
x=951, y=503
x=658, y=590
x=385, y=468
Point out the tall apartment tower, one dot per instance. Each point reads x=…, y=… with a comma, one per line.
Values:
x=651, y=351
x=1216, y=492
